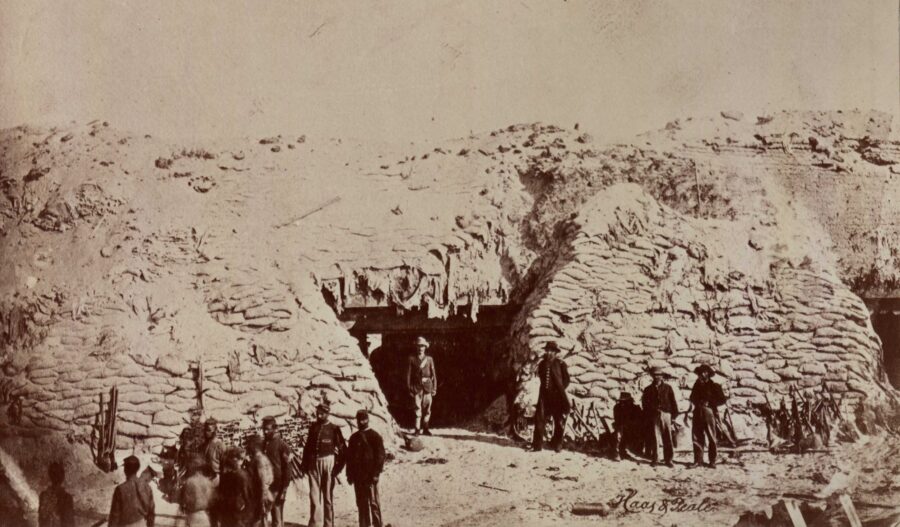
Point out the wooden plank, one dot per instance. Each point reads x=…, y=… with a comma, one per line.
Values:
x=850, y=510
x=794, y=513
x=385, y=319
x=590, y=509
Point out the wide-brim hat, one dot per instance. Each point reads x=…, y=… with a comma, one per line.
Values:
x=699, y=370
x=626, y=396
x=422, y=341
x=656, y=370
x=324, y=405
x=551, y=346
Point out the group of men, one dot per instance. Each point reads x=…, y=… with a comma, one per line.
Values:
x=230, y=487
x=643, y=429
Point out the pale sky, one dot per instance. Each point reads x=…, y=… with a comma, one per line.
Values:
x=422, y=71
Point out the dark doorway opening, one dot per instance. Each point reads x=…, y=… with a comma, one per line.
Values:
x=887, y=325
x=470, y=359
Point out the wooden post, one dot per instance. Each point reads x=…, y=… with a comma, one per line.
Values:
x=111, y=421
x=850, y=510
x=793, y=511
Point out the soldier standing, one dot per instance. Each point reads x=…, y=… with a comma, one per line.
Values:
x=213, y=452
x=323, y=460
x=660, y=406
x=213, y=448
x=626, y=421
x=197, y=494
x=421, y=380
x=262, y=481
x=132, y=504
x=279, y=455
x=56, y=509
x=552, y=398
x=365, y=460
x=235, y=492
x=706, y=396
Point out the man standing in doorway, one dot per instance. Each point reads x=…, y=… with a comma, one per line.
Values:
x=706, y=396
x=660, y=406
x=323, y=460
x=279, y=455
x=365, y=459
x=552, y=398
x=421, y=380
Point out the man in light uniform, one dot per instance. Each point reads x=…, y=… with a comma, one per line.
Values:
x=421, y=380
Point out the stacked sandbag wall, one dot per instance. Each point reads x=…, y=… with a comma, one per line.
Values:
x=634, y=284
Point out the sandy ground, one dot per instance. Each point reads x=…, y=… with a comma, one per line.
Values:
x=475, y=479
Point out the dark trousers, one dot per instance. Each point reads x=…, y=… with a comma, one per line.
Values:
x=540, y=427
x=367, y=504
x=703, y=431
x=662, y=433
x=278, y=513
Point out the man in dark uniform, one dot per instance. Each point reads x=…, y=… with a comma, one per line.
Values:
x=56, y=509
x=706, y=396
x=213, y=452
x=279, y=454
x=132, y=503
x=365, y=460
x=659, y=405
x=552, y=398
x=323, y=460
x=235, y=494
x=626, y=424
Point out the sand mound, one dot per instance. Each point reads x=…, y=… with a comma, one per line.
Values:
x=132, y=262
x=634, y=284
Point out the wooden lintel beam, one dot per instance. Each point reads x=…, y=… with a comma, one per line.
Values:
x=387, y=320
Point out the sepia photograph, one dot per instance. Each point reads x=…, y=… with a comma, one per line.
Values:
x=449, y=263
